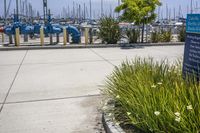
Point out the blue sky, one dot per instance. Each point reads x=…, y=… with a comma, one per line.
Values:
x=57, y=6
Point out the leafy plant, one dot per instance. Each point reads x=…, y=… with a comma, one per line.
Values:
x=132, y=35
x=155, y=37
x=182, y=34
x=138, y=11
x=109, y=30
x=154, y=97
x=165, y=36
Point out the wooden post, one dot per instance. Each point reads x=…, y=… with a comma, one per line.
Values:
x=64, y=36
x=17, y=37
x=86, y=36
x=42, y=36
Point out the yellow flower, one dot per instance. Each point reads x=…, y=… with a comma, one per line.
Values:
x=159, y=83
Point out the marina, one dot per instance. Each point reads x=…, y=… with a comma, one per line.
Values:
x=80, y=22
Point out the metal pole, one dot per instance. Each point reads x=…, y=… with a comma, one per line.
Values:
x=101, y=8
x=45, y=9
x=5, y=16
x=118, y=5
x=174, y=14
x=79, y=12
x=17, y=8
x=167, y=17
x=90, y=10
x=84, y=12
x=191, y=4
x=73, y=11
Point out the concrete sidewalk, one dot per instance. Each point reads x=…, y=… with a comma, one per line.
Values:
x=57, y=91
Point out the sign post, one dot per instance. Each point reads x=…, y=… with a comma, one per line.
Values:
x=191, y=62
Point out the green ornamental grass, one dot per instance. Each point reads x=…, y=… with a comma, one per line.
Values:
x=154, y=97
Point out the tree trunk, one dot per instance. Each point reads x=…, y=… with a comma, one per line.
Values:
x=143, y=32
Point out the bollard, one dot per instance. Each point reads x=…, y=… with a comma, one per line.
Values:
x=10, y=39
x=64, y=36
x=25, y=38
x=68, y=41
x=2, y=34
x=17, y=37
x=42, y=36
x=86, y=36
x=57, y=38
x=91, y=36
x=51, y=38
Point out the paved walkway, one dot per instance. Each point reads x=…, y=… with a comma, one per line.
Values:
x=57, y=91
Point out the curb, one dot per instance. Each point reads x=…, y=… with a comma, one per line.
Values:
x=109, y=126
x=78, y=46
x=108, y=120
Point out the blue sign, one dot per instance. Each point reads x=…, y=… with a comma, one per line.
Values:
x=191, y=62
x=193, y=23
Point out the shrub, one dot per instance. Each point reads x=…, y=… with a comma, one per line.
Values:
x=132, y=35
x=155, y=37
x=154, y=97
x=165, y=36
x=182, y=34
x=109, y=30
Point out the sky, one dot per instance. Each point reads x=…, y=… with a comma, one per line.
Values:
x=56, y=6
